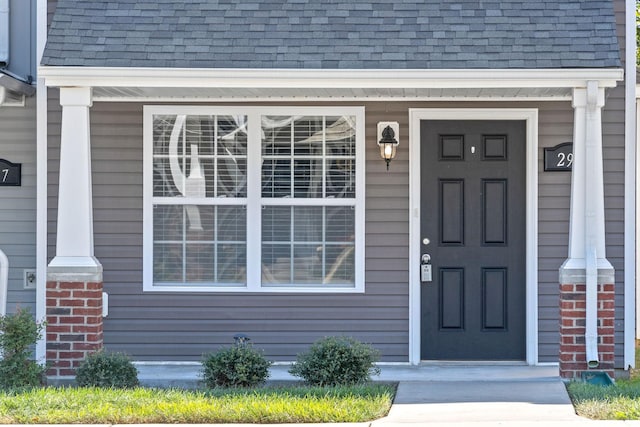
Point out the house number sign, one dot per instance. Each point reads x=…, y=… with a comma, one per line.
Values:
x=559, y=158
x=10, y=173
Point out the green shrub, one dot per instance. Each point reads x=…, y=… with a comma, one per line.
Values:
x=335, y=361
x=103, y=369
x=18, y=333
x=238, y=366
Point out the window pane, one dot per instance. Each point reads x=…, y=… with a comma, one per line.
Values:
x=341, y=136
x=200, y=244
x=163, y=183
x=200, y=263
x=276, y=135
x=167, y=263
x=232, y=177
x=321, y=251
x=323, y=160
x=341, y=178
x=199, y=156
x=168, y=223
x=276, y=264
x=308, y=178
x=307, y=226
x=308, y=136
x=307, y=269
x=340, y=264
x=276, y=224
x=276, y=178
x=340, y=224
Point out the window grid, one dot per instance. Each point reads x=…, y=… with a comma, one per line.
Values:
x=325, y=163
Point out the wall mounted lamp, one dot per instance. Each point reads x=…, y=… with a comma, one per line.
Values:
x=388, y=135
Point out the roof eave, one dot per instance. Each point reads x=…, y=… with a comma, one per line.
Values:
x=56, y=76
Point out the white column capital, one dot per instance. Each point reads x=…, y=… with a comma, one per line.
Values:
x=76, y=96
x=591, y=95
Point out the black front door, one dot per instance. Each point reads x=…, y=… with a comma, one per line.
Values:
x=473, y=227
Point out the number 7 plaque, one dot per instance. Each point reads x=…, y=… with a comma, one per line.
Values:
x=10, y=173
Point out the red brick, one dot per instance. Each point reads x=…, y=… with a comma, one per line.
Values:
x=574, y=314
x=84, y=329
x=572, y=331
x=94, y=320
x=87, y=346
x=94, y=302
x=71, y=320
x=87, y=294
x=58, y=328
x=72, y=285
x=83, y=311
x=71, y=303
x=71, y=354
x=95, y=337
x=58, y=294
x=94, y=286
x=567, y=348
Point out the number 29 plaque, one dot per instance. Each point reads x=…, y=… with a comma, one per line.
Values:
x=559, y=158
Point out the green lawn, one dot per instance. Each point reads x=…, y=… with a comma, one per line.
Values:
x=618, y=402
x=144, y=405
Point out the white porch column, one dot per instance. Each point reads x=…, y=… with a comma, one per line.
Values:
x=587, y=181
x=74, y=245
x=587, y=278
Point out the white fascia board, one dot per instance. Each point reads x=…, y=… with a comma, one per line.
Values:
x=287, y=78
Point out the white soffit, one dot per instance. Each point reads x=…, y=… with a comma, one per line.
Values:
x=152, y=83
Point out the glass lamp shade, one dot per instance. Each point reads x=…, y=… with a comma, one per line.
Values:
x=388, y=145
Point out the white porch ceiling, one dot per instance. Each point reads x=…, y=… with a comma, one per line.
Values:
x=111, y=93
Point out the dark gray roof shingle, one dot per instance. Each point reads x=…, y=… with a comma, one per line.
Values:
x=334, y=34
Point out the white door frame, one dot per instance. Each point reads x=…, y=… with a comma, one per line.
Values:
x=530, y=116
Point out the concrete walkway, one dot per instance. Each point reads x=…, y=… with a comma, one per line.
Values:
x=446, y=395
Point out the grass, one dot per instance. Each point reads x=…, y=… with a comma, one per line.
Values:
x=618, y=402
x=169, y=406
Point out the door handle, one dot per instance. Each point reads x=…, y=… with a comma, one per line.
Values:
x=425, y=268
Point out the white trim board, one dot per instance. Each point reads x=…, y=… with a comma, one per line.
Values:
x=630, y=189
x=315, y=78
x=530, y=116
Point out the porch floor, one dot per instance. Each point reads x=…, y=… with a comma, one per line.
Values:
x=168, y=374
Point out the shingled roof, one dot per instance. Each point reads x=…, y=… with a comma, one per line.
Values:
x=334, y=34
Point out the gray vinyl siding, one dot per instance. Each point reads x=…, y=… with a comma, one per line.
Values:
x=157, y=326
x=18, y=207
x=613, y=142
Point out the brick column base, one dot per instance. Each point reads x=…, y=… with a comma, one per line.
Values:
x=572, y=329
x=74, y=324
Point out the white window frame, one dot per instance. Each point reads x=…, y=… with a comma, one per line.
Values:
x=254, y=196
